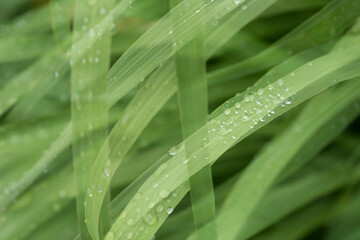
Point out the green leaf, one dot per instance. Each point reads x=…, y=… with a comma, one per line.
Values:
x=247, y=192
x=193, y=106
x=89, y=109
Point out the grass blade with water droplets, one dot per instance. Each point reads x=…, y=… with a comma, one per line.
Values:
x=89, y=109
x=193, y=106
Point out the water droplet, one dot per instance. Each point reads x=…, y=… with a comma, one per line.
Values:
x=292, y=74
x=150, y=219
x=106, y=172
x=173, y=151
x=249, y=99
x=227, y=111
x=215, y=22
x=163, y=193
x=260, y=92
x=245, y=117
x=159, y=208
x=169, y=210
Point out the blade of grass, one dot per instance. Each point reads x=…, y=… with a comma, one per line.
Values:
x=277, y=206
x=193, y=107
x=136, y=116
x=89, y=110
x=267, y=166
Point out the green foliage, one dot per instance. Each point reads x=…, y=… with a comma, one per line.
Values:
x=95, y=145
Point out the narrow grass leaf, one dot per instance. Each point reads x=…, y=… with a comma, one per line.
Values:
x=89, y=109
x=269, y=163
x=193, y=106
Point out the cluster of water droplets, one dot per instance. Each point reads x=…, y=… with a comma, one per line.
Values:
x=153, y=208
x=94, y=189
x=90, y=33
x=249, y=109
x=175, y=149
